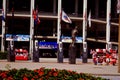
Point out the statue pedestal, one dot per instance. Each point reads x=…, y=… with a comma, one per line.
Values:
x=72, y=54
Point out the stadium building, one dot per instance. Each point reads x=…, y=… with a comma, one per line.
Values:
x=19, y=21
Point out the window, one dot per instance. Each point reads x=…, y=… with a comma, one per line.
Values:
x=21, y=5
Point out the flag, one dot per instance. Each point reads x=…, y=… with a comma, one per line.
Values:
x=85, y=17
x=89, y=19
x=65, y=18
x=35, y=16
x=3, y=15
x=109, y=18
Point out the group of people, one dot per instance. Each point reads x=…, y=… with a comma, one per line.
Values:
x=104, y=57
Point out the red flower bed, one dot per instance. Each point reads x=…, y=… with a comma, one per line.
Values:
x=45, y=74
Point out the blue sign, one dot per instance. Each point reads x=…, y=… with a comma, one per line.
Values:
x=18, y=37
x=68, y=39
x=48, y=45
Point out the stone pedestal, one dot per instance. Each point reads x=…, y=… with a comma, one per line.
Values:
x=72, y=54
x=11, y=54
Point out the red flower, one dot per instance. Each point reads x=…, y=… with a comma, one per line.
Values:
x=32, y=79
x=41, y=73
x=35, y=71
x=55, y=74
x=10, y=78
x=53, y=69
x=41, y=79
x=50, y=73
x=35, y=77
x=69, y=71
x=3, y=75
x=25, y=78
x=42, y=69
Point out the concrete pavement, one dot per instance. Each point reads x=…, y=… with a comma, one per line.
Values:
x=98, y=70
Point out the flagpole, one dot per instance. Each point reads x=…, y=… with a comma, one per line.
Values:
x=84, y=19
x=59, y=42
x=59, y=22
x=108, y=25
x=3, y=27
x=84, y=31
x=31, y=29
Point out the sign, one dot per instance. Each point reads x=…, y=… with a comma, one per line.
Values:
x=68, y=39
x=18, y=37
x=47, y=45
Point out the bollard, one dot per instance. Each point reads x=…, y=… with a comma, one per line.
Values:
x=84, y=54
x=60, y=53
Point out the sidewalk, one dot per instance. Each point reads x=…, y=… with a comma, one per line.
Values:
x=79, y=67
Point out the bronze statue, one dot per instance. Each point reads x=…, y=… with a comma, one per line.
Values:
x=74, y=34
x=72, y=47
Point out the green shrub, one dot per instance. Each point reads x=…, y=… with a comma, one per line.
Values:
x=3, y=55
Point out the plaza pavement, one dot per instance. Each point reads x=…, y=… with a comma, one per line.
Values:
x=98, y=70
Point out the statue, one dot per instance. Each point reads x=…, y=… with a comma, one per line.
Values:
x=72, y=47
x=74, y=34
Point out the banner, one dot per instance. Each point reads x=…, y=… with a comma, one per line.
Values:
x=18, y=37
x=68, y=39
